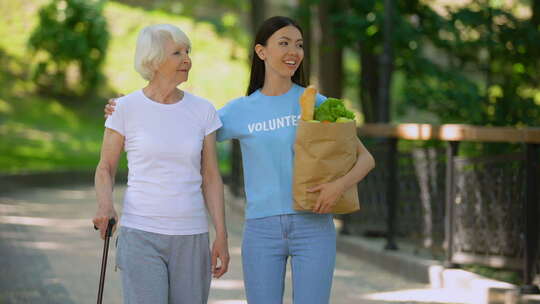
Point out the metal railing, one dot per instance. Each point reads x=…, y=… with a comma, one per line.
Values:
x=476, y=210
x=471, y=210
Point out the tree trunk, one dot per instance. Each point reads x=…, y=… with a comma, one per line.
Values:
x=304, y=18
x=330, y=52
x=369, y=87
x=237, y=171
x=386, y=64
x=258, y=9
x=535, y=13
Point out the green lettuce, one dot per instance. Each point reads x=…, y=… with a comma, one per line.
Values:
x=332, y=109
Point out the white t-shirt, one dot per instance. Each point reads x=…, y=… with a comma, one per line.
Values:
x=164, y=145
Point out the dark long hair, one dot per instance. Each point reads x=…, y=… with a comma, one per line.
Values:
x=267, y=29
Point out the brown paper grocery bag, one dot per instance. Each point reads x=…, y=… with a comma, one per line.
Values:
x=324, y=152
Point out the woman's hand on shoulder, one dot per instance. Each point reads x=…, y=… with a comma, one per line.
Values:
x=109, y=107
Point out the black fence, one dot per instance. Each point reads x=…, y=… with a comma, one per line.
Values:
x=465, y=210
x=420, y=194
x=473, y=210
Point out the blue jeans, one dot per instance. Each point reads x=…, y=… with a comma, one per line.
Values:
x=308, y=239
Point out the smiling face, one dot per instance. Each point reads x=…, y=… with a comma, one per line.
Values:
x=283, y=52
x=177, y=63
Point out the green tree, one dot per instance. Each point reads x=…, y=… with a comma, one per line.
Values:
x=496, y=56
x=70, y=43
x=477, y=63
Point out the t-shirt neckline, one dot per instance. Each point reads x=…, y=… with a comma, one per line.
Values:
x=293, y=86
x=164, y=105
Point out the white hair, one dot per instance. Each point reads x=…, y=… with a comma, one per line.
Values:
x=150, y=50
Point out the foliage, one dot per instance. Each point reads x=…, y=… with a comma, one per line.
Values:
x=40, y=132
x=504, y=52
x=226, y=16
x=70, y=43
x=476, y=64
x=332, y=109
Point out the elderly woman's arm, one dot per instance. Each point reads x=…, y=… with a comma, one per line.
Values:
x=330, y=192
x=104, y=178
x=212, y=187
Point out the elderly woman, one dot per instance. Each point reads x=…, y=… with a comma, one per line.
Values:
x=169, y=136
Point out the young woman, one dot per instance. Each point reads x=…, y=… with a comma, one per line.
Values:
x=265, y=122
x=169, y=136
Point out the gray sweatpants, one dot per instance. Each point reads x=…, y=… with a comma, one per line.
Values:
x=163, y=269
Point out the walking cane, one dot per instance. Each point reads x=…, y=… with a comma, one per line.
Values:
x=104, y=259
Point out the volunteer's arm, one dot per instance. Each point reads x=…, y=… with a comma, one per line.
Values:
x=331, y=192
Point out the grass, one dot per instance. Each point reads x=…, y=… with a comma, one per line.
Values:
x=42, y=133
x=509, y=276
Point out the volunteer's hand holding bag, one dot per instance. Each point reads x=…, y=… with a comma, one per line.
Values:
x=325, y=150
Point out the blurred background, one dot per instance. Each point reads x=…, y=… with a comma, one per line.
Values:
x=441, y=61
x=436, y=62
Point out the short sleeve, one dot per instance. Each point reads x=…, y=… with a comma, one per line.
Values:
x=224, y=133
x=212, y=121
x=116, y=121
x=319, y=99
x=227, y=114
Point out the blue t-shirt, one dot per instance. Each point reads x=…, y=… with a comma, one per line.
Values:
x=266, y=129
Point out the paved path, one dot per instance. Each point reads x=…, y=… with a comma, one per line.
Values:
x=50, y=254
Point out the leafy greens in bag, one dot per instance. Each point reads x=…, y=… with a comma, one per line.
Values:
x=332, y=110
